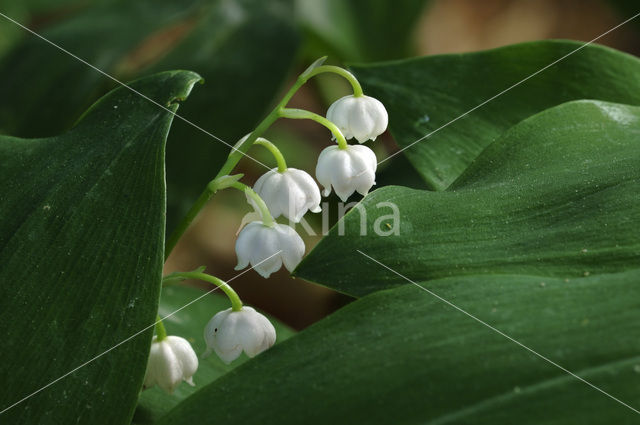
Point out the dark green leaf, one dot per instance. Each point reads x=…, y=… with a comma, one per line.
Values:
x=402, y=356
x=423, y=94
x=81, y=254
x=556, y=195
x=360, y=30
x=40, y=100
x=189, y=323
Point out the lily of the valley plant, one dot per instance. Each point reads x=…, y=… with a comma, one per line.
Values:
x=263, y=243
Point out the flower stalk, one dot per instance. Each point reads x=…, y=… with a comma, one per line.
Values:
x=282, y=164
x=264, y=243
x=301, y=114
x=355, y=84
x=161, y=332
x=236, y=303
x=267, y=219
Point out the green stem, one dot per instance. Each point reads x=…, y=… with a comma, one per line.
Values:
x=267, y=219
x=236, y=303
x=357, y=88
x=161, y=332
x=302, y=114
x=282, y=165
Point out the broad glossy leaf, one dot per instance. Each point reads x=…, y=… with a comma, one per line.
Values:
x=402, y=356
x=557, y=195
x=423, y=94
x=360, y=30
x=189, y=323
x=81, y=254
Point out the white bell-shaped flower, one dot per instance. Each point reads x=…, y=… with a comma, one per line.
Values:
x=266, y=248
x=171, y=361
x=229, y=333
x=347, y=170
x=290, y=193
x=362, y=117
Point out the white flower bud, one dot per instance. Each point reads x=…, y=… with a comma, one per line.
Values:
x=276, y=244
x=229, y=332
x=347, y=170
x=171, y=361
x=291, y=193
x=362, y=117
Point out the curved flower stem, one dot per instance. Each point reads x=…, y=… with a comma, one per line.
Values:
x=302, y=114
x=236, y=303
x=282, y=165
x=161, y=332
x=357, y=88
x=267, y=219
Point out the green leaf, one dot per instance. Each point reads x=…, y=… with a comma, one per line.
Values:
x=242, y=48
x=556, y=196
x=39, y=101
x=424, y=94
x=189, y=323
x=403, y=356
x=360, y=30
x=81, y=254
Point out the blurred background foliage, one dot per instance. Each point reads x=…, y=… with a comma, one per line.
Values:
x=248, y=52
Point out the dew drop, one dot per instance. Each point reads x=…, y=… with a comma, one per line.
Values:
x=422, y=120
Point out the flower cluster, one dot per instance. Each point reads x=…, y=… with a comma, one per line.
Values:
x=263, y=243
x=291, y=193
